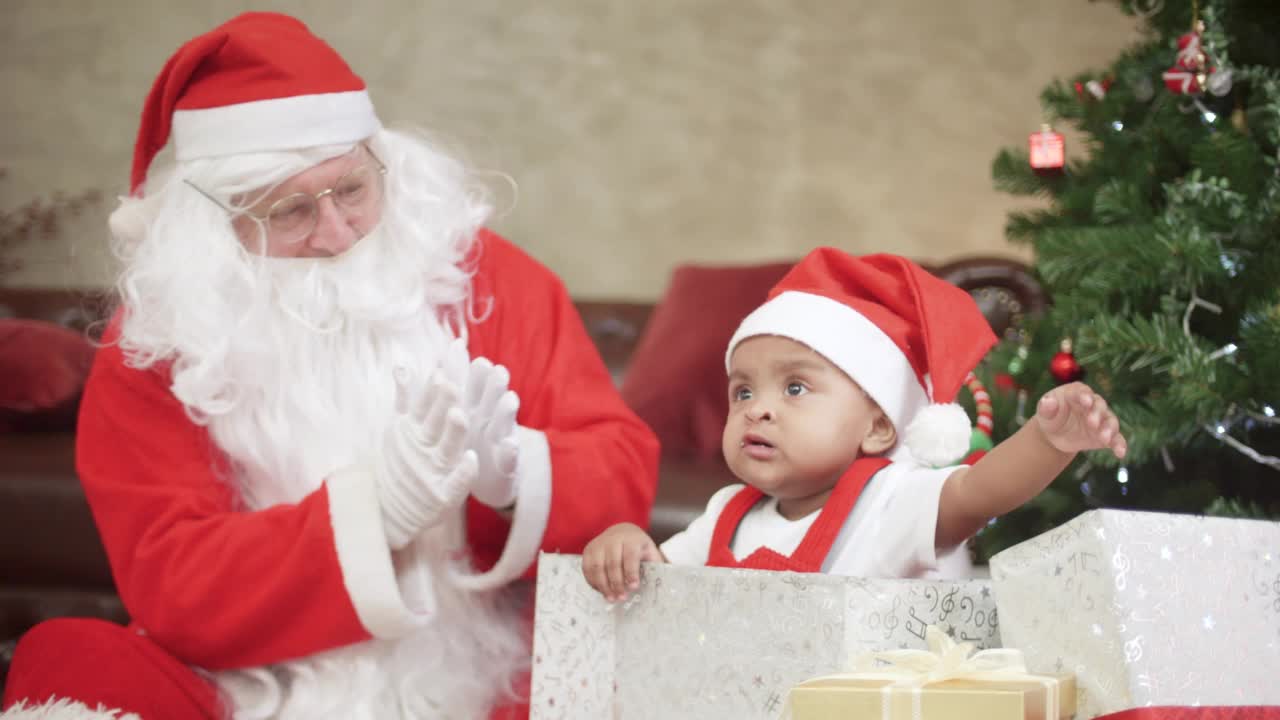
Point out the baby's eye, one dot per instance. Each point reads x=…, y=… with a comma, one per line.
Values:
x=742, y=393
x=795, y=389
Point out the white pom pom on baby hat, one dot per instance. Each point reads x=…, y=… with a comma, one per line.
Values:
x=939, y=435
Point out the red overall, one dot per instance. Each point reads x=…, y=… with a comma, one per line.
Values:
x=817, y=542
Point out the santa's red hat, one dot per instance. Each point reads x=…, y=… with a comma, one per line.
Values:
x=906, y=336
x=257, y=83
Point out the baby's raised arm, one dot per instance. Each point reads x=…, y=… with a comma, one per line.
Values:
x=1068, y=419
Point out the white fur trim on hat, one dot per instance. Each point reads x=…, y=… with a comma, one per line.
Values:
x=935, y=435
x=846, y=338
x=285, y=123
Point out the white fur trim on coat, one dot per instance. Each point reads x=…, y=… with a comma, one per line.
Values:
x=529, y=521
x=63, y=710
x=365, y=560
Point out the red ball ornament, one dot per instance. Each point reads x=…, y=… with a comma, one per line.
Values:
x=1063, y=366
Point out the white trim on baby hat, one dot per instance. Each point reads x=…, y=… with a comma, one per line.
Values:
x=849, y=340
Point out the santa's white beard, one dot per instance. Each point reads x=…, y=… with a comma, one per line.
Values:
x=292, y=371
x=307, y=368
x=311, y=369
x=289, y=363
x=460, y=666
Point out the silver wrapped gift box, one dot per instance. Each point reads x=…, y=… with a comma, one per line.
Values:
x=701, y=643
x=1148, y=608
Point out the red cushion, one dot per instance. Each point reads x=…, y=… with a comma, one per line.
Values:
x=43, y=367
x=676, y=380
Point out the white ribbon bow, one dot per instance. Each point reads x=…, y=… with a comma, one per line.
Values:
x=944, y=660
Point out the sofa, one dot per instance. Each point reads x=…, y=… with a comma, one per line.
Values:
x=52, y=563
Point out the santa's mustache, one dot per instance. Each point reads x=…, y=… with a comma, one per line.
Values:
x=322, y=294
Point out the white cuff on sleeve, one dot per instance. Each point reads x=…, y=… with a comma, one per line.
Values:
x=529, y=521
x=365, y=559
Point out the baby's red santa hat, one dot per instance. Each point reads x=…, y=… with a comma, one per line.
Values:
x=259, y=82
x=906, y=336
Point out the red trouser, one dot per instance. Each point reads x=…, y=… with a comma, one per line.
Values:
x=103, y=664
x=99, y=663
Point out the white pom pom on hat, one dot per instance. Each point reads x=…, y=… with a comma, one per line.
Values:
x=906, y=336
x=128, y=221
x=938, y=435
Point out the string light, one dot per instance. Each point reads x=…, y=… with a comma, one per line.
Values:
x=1229, y=264
x=1122, y=475
x=1224, y=351
x=1117, y=125
x=1219, y=431
x=1266, y=417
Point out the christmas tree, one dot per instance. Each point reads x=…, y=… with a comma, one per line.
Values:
x=1159, y=246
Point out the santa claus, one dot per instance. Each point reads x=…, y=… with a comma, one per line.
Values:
x=333, y=420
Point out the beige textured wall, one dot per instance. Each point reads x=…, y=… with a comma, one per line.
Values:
x=640, y=134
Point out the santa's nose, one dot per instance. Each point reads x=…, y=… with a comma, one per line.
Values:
x=332, y=235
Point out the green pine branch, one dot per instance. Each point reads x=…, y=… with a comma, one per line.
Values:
x=1159, y=246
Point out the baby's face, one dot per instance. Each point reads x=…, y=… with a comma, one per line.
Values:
x=795, y=423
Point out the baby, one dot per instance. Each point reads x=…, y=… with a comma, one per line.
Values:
x=843, y=429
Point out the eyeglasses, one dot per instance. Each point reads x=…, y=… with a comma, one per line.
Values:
x=293, y=218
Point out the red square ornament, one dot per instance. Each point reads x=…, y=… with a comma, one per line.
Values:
x=1047, y=149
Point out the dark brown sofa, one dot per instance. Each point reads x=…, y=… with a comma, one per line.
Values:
x=52, y=563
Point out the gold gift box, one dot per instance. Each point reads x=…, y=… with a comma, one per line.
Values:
x=852, y=698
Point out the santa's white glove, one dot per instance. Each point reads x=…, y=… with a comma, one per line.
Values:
x=426, y=469
x=491, y=412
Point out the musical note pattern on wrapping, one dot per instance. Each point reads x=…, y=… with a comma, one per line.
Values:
x=714, y=642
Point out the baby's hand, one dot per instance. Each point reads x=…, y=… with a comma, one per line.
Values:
x=1074, y=418
x=611, y=562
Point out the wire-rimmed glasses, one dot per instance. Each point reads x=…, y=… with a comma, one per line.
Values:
x=292, y=218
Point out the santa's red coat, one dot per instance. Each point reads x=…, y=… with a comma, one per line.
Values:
x=218, y=587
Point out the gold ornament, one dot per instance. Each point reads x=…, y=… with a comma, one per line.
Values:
x=1238, y=120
